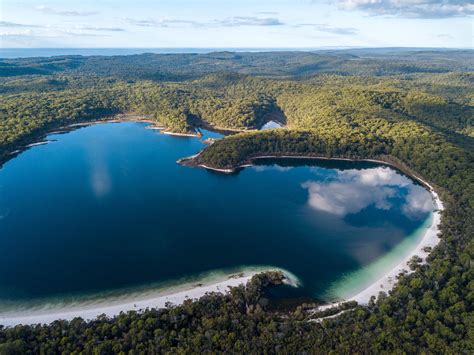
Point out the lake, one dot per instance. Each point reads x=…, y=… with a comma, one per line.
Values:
x=106, y=209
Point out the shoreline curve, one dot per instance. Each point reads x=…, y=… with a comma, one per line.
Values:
x=388, y=281
x=139, y=300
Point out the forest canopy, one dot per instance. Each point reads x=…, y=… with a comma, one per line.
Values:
x=412, y=109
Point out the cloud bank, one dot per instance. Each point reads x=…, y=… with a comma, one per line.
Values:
x=16, y=34
x=15, y=24
x=411, y=8
x=323, y=27
x=74, y=13
x=236, y=21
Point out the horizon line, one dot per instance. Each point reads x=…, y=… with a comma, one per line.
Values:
x=281, y=48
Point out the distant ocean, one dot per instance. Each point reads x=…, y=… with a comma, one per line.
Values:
x=48, y=52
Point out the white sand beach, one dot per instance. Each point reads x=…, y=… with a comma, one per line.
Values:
x=37, y=143
x=181, y=134
x=132, y=302
x=226, y=171
x=218, y=282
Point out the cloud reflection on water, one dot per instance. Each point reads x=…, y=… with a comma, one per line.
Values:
x=353, y=190
x=100, y=177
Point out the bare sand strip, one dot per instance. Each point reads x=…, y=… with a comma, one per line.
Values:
x=181, y=134
x=226, y=171
x=111, y=307
x=37, y=143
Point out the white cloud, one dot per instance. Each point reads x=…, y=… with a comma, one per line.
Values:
x=55, y=31
x=322, y=27
x=267, y=13
x=445, y=35
x=73, y=32
x=74, y=13
x=24, y=33
x=58, y=27
x=163, y=22
x=411, y=8
x=14, y=24
x=250, y=21
x=99, y=29
x=237, y=21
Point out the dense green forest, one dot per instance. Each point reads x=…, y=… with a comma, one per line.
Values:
x=415, y=111
x=376, y=62
x=239, y=102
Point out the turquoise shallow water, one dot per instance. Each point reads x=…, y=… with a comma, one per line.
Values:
x=356, y=281
x=105, y=209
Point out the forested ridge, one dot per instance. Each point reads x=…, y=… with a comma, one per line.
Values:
x=421, y=121
x=270, y=64
x=239, y=102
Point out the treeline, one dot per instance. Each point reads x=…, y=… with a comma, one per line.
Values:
x=178, y=107
x=178, y=67
x=231, y=101
x=239, y=149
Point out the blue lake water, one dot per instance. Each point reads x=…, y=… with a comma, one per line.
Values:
x=106, y=208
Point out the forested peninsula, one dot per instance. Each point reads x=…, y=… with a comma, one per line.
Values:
x=415, y=113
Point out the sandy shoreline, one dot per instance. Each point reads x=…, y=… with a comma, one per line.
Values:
x=197, y=135
x=133, y=302
x=37, y=143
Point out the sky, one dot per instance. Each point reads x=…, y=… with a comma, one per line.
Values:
x=235, y=23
